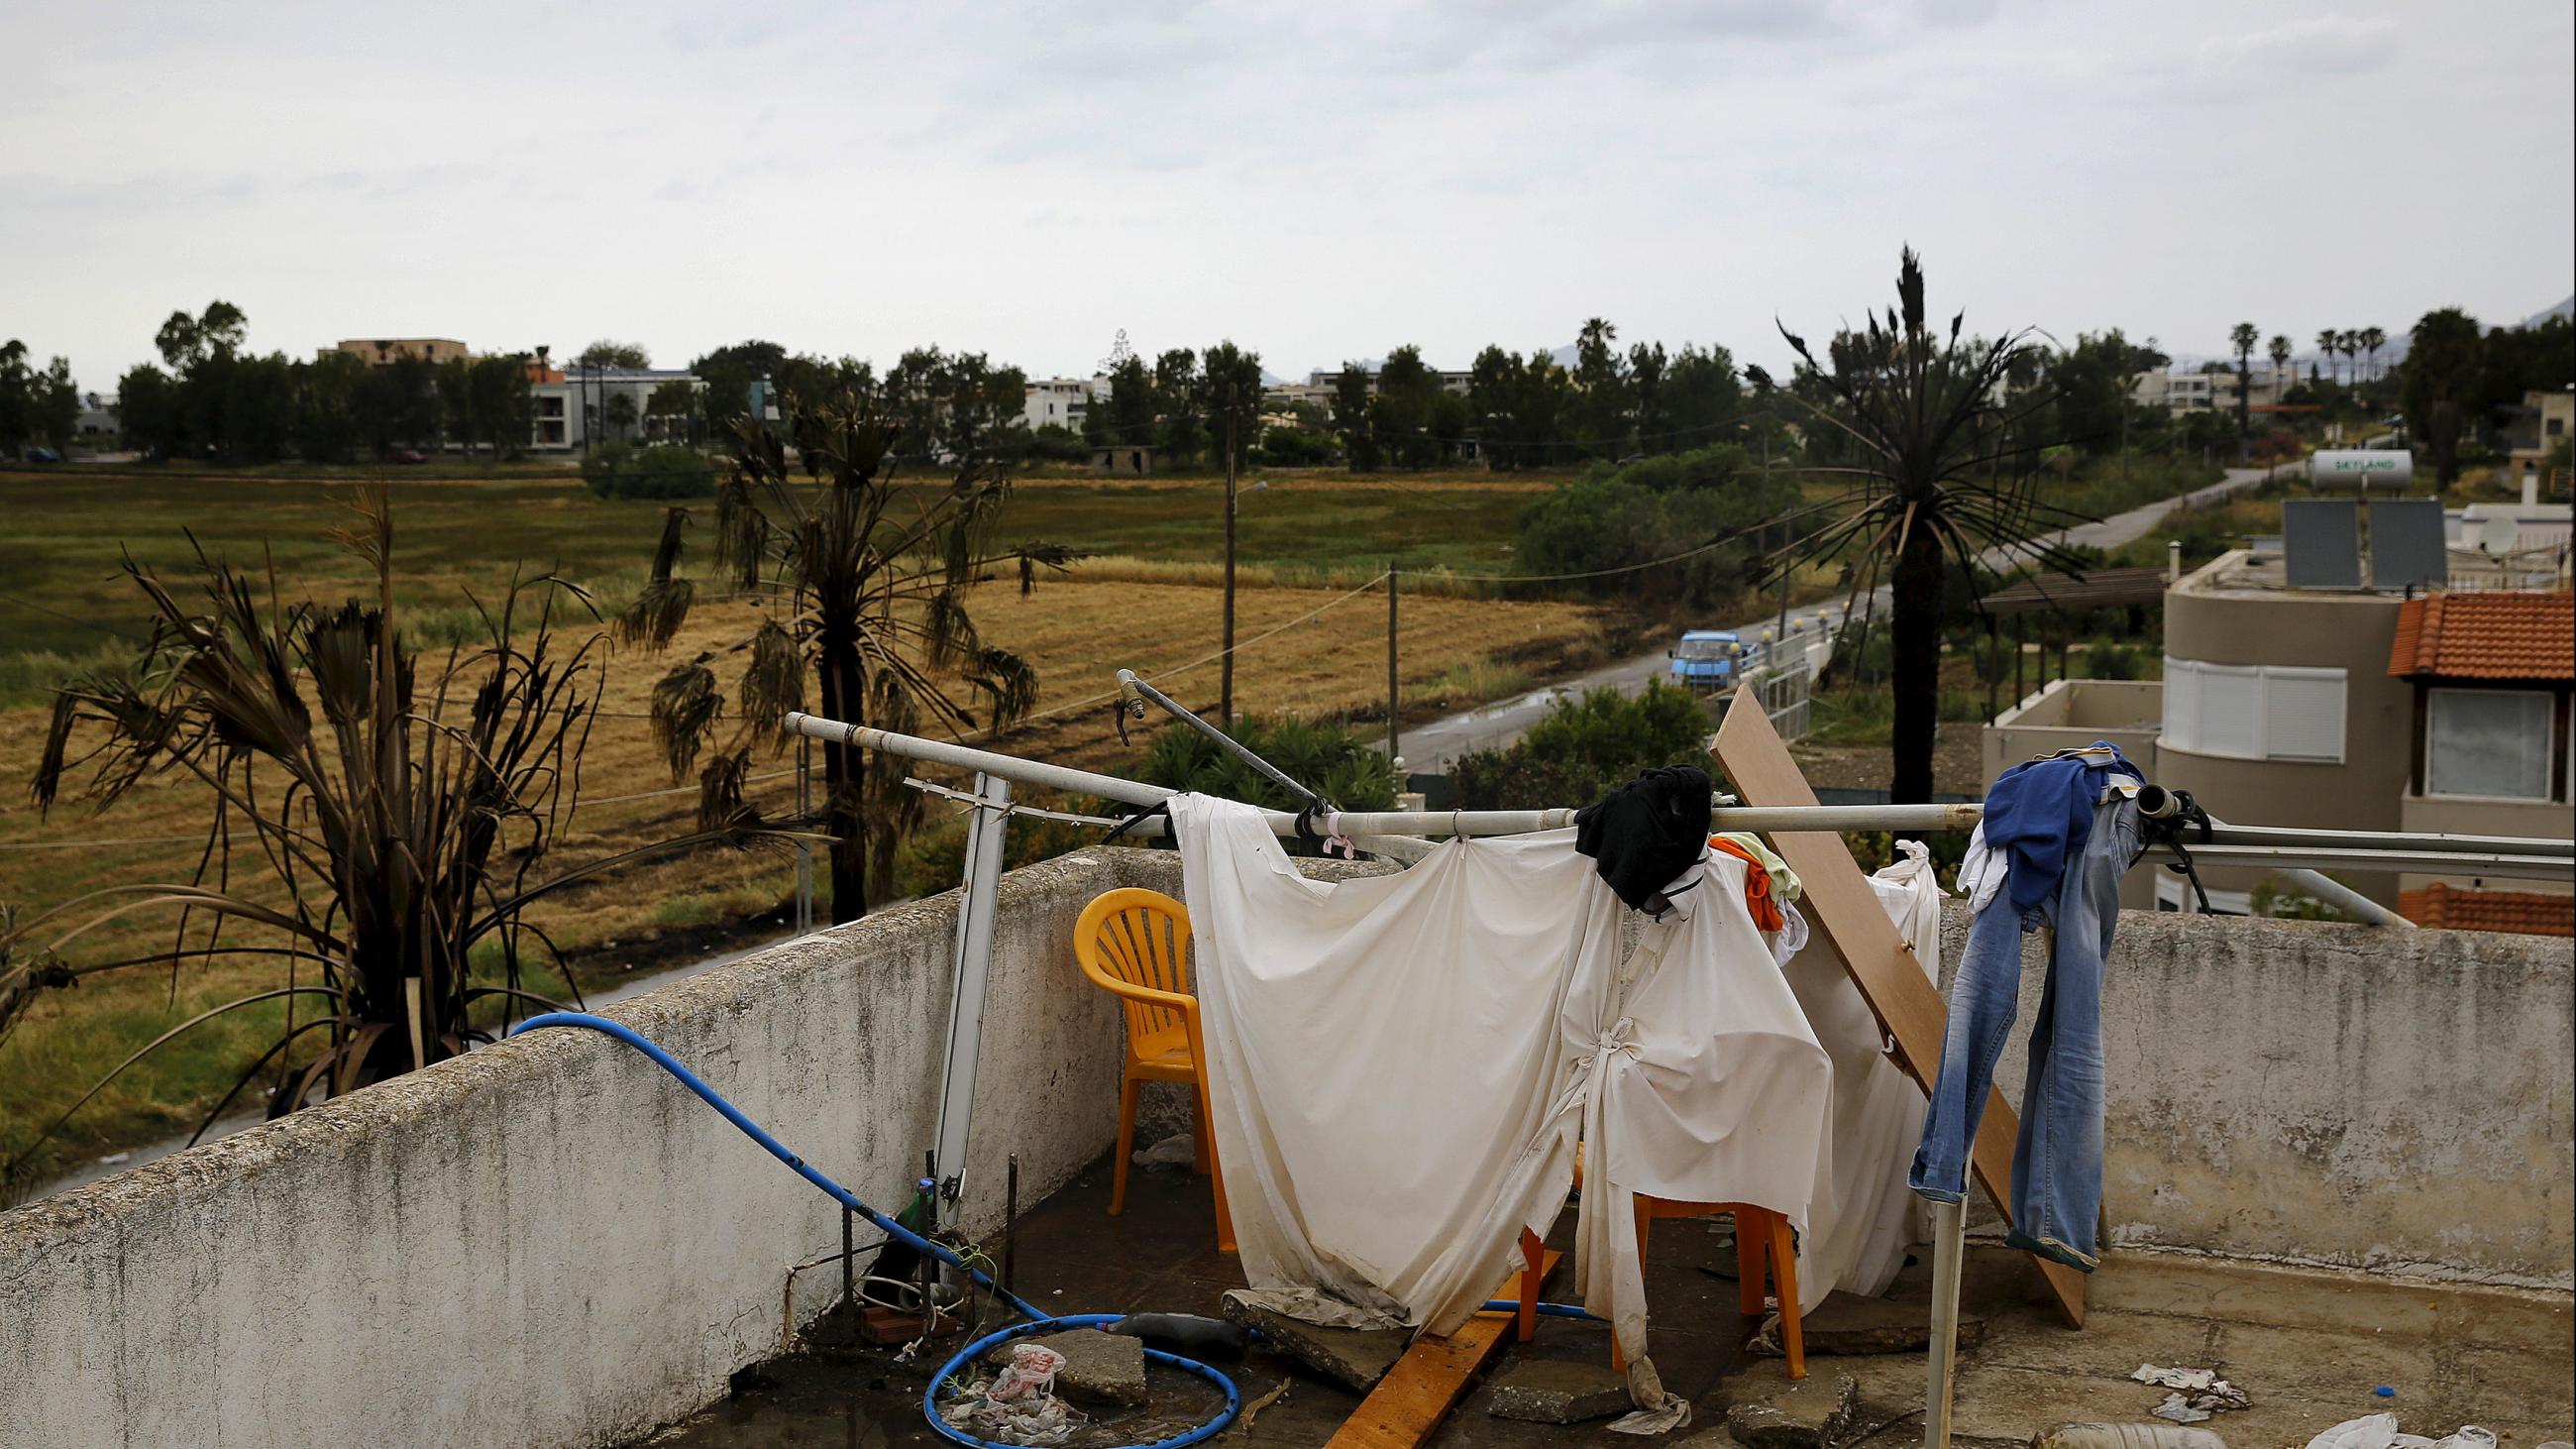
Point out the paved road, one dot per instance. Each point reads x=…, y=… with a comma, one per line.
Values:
x=1428, y=748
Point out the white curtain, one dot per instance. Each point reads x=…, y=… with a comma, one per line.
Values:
x=1866, y=1217
x=1399, y=1067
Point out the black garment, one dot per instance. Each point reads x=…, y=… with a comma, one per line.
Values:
x=1647, y=831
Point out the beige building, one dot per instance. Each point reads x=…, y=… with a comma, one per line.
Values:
x=385, y=351
x=2179, y=392
x=2281, y=706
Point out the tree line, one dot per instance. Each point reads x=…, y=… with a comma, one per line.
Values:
x=37, y=405
x=212, y=398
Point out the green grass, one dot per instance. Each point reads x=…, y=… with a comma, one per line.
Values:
x=65, y=605
x=1455, y=526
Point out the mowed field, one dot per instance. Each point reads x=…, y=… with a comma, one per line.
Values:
x=1316, y=651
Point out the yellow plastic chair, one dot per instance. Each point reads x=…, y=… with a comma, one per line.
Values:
x=1135, y=944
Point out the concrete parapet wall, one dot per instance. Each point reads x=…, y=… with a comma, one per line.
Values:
x=550, y=1243
x=2339, y=1096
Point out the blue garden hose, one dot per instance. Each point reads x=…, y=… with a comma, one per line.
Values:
x=1039, y=1321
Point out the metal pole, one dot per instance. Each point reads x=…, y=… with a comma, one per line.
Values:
x=1129, y=684
x=1949, y=1245
x=985, y=832
x=849, y=1270
x=804, y=847
x=1010, y=1222
x=1394, y=701
x=2345, y=899
x=1225, y=674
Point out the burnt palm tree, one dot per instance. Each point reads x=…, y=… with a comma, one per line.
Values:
x=377, y=819
x=877, y=576
x=1945, y=455
x=2372, y=339
x=2326, y=347
x=2244, y=337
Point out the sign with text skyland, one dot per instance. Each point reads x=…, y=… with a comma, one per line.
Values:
x=2389, y=469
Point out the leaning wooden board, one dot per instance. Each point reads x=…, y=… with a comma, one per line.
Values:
x=1431, y=1378
x=1842, y=908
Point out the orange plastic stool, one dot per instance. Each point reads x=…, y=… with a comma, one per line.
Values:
x=1761, y=1236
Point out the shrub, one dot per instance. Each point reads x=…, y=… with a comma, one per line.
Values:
x=1294, y=448
x=665, y=470
x=1325, y=758
x=2114, y=661
x=1056, y=443
x=1620, y=519
x=934, y=860
x=1585, y=746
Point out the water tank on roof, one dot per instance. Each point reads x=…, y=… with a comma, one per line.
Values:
x=2370, y=470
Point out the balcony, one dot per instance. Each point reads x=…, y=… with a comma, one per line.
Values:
x=2068, y=714
x=2309, y=1186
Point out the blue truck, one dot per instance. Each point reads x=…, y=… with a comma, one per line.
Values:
x=1708, y=659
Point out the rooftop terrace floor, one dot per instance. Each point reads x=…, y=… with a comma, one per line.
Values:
x=2311, y=1348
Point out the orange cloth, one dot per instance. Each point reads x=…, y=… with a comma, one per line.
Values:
x=1757, y=885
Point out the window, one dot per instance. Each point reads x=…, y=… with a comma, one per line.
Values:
x=2302, y=713
x=2182, y=705
x=2254, y=711
x=2231, y=710
x=2488, y=742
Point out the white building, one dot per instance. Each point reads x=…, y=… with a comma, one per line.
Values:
x=1060, y=401
x=2180, y=392
x=576, y=406
x=1325, y=378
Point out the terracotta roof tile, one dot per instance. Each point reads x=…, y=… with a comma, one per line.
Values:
x=2527, y=913
x=2486, y=636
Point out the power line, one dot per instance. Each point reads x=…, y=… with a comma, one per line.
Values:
x=1240, y=645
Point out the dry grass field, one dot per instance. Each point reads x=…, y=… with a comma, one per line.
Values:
x=1316, y=652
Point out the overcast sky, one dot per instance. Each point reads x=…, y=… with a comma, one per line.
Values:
x=1314, y=180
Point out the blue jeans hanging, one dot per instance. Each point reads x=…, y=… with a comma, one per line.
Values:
x=2057, y=1164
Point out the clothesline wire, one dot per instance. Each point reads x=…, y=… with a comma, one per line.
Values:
x=1241, y=644
x=98, y=842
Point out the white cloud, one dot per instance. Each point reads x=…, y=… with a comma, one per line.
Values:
x=1318, y=181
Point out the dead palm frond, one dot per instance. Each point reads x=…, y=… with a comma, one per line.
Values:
x=387, y=823
x=879, y=578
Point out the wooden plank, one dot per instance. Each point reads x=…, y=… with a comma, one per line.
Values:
x=1844, y=910
x=1425, y=1384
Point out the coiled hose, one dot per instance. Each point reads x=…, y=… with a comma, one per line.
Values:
x=1038, y=1320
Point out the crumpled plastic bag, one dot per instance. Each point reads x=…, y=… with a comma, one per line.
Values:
x=2198, y=1393
x=2370, y=1431
x=1018, y=1405
x=1179, y=1149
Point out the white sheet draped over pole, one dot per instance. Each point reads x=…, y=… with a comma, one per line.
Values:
x=1865, y=1215
x=1399, y=1068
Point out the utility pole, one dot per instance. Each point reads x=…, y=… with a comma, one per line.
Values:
x=1225, y=676
x=1393, y=700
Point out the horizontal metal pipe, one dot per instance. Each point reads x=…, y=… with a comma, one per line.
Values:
x=2347, y=900
x=1724, y=817
x=2415, y=862
x=1377, y=822
x=2272, y=847
x=2222, y=833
